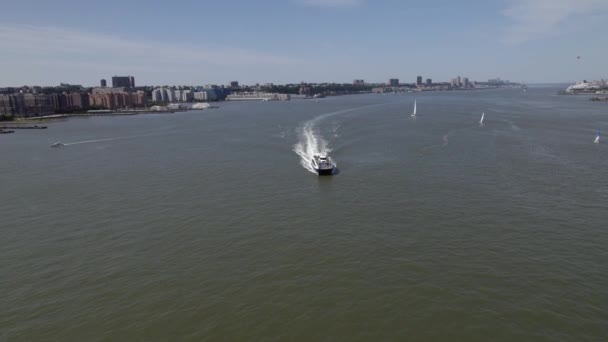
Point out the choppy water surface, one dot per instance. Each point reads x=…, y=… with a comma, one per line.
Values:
x=208, y=225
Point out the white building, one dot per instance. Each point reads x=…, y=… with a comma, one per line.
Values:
x=258, y=96
x=169, y=95
x=159, y=95
x=177, y=95
x=205, y=95
x=201, y=96
x=187, y=96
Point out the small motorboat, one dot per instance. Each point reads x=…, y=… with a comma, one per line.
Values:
x=58, y=144
x=323, y=164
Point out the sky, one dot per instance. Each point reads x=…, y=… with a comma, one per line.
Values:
x=196, y=42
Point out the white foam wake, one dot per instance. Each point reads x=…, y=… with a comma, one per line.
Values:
x=311, y=142
x=110, y=139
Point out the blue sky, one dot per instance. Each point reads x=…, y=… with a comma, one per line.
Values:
x=280, y=41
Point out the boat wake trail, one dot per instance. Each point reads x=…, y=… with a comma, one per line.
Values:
x=311, y=143
x=108, y=139
x=310, y=140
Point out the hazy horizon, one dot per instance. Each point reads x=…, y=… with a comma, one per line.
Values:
x=292, y=41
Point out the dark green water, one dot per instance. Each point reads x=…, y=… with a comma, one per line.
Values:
x=205, y=225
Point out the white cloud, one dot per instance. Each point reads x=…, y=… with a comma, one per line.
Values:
x=532, y=19
x=330, y=3
x=53, y=49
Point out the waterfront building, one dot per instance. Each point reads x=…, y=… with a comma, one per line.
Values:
x=419, y=81
x=187, y=96
x=123, y=82
x=465, y=82
x=116, y=100
x=358, y=83
x=429, y=82
x=201, y=96
x=99, y=100
x=259, y=96
x=393, y=82
x=58, y=102
x=159, y=95
x=25, y=105
x=103, y=83
x=234, y=84
x=77, y=100
x=61, y=102
x=205, y=95
x=177, y=95
x=169, y=95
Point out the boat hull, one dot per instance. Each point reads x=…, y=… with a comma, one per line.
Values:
x=325, y=172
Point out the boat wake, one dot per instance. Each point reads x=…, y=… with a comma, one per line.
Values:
x=108, y=139
x=311, y=143
x=310, y=140
x=446, y=140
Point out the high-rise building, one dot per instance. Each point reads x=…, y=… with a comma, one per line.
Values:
x=123, y=82
x=429, y=82
x=393, y=82
x=187, y=95
x=169, y=97
x=234, y=84
x=159, y=95
x=103, y=83
x=465, y=82
x=177, y=94
x=358, y=83
x=419, y=80
x=459, y=81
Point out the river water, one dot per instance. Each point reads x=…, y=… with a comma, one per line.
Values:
x=210, y=226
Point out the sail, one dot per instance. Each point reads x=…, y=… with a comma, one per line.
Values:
x=414, y=113
x=482, y=115
x=597, y=138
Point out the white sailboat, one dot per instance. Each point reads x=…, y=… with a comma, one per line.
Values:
x=597, y=137
x=481, y=121
x=414, y=113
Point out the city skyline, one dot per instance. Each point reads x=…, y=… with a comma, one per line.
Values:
x=534, y=41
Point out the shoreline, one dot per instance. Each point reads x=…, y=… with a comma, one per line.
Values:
x=62, y=117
